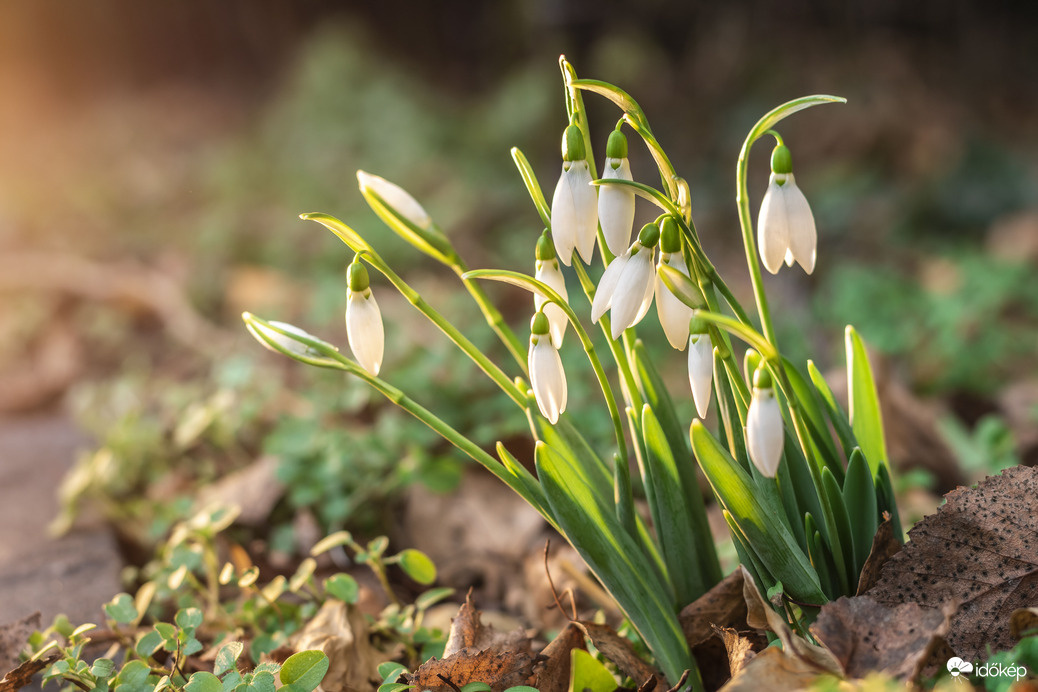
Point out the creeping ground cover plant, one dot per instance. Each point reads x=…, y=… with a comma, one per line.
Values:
x=803, y=485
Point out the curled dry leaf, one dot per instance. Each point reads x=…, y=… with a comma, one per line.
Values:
x=1024, y=622
x=884, y=546
x=774, y=669
x=341, y=631
x=979, y=551
x=620, y=651
x=467, y=632
x=553, y=676
x=22, y=675
x=740, y=649
x=13, y=636
x=866, y=636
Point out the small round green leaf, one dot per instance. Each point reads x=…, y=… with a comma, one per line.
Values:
x=227, y=656
x=418, y=566
x=394, y=687
x=389, y=671
x=121, y=609
x=264, y=681
x=149, y=643
x=188, y=618
x=103, y=668
x=432, y=597
x=343, y=587
x=203, y=682
x=305, y=669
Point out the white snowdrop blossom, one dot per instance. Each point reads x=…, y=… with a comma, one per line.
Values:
x=549, y=272
x=785, y=226
x=547, y=377
x=396, y=197
x=627, y=284
x=701, y=370
x=364, y=320
x=764, y=436
x=616, y=202
x=574, y=207
x=265, y=335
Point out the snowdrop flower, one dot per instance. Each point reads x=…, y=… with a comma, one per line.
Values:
x=547, y=377
x=265, y=335
x=574, y=208
x=363, y=319
x=616, y=202
x=700, y=364
x=548, y=272
x=764, y=425
x=627, y=283
x=785, y=226
x=674, y=314
x=396, y=197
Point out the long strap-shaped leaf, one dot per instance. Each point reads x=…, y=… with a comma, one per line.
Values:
x=759, y=523
x=614, y=557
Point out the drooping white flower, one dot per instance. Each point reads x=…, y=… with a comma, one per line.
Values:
x=627, y=284
x=549, y=272
x=363, y=320
x=396, y=197
x=574, y=207
x=616, y=202
x=764, y=436
x=547, y=377
x=674, y=314
x=785, y=226
x=701, y=369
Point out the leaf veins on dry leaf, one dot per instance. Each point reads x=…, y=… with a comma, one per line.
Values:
x=979, y=552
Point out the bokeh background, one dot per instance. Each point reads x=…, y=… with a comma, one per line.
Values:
x=154, y=158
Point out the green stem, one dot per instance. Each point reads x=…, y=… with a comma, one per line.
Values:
x=493, y=316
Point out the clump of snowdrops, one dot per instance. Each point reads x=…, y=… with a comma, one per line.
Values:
x=803, y=485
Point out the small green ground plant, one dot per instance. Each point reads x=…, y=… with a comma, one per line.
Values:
x=802, y=502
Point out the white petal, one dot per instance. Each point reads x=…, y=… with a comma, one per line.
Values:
x=701, y=371
x=364, y=330
x=616, y=207
x=396, y=197
x=773, y=227
x=803, y=237
x=289, y=344
x=585, y=202
x=547, y=378
x=607, y=286
x=764, y=432
x=674, y=315
x=564, y=217
x=548, y=272
x=633, y=293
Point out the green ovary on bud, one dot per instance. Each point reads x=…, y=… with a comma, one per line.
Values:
x=670, y=235
x=764, y=433
x=616, y=145
x=357, y=276
x=573, y=144
x=545, y=247
x=539, y=325
x=649, y=235
x=781, y=160
x=697, y=325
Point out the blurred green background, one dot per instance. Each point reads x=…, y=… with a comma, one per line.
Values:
x=154, y=158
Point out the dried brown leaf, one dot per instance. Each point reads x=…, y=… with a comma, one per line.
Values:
x=721, y=606
x=553, y=676
x=774, y=669
x=1023, y=622
x=467, y=632
x=866, y=636
x=497, y=668
x=884, y=546
x=979, y=551
x=620, y=651
x=341, y=631
x=740, y=649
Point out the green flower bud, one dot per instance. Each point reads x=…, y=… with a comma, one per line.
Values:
x=539, y=324
x=781, y=160
x=573, y=144
x=545, y=247
x=357, y=277
x=649, y=235
x=762, y=378
x=616, y=145
x=670, y=236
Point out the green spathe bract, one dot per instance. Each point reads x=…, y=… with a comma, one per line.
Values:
x=791, y=523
